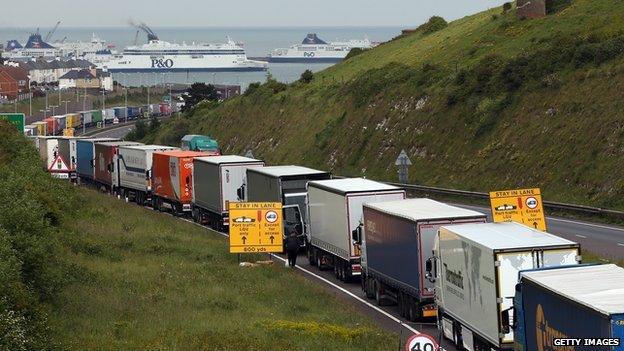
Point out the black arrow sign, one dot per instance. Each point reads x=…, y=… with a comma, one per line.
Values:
x=272, y=238
x=535, y=225
x=244, y=239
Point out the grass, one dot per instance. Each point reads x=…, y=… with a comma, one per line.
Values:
x=488, y=102
x=152, y=282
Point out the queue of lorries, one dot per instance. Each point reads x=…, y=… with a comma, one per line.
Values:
x=490, y=286
x=59, y=124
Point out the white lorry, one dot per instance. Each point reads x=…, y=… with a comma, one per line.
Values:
x=335, y=221
x=475, y=268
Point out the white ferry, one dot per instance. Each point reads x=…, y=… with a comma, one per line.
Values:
x=161, y=56
x=313, y=49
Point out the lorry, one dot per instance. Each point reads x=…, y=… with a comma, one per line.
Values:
x=335, y=215
x=105, y=168
x=583, y=301
x=172, y=173
x=85, y=156
x=96, y=117
x=217, y=181
x=396, y=240
x=287, y=185
x=200, y=143
x=108, y=115
x=134, y=166
x=42, y=128
x=74, y=120
x=52, y=126
x=61, y=122
x=67, y=149
x=48, y=149
x=475, y=269
x=86, y=117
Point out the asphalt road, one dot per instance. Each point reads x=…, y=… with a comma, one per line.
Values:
x=114, y=132
x=602, y=239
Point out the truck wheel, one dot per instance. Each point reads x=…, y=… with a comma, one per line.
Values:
x=337, y=270
x=370, y=293
x=412, y=309
x=319, y=261
x=347, y=273
x=401, y=304
x=457, y=338
x=378, y=294
x=311, y=258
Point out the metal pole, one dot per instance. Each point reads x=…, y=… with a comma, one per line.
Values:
x=30, y=103
x=170, y=101
x=15, y=104
x=46, y=99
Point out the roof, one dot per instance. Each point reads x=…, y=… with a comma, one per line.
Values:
x=181, y=153
x=285, y=171
x=78, y=74
x=422, y=209
x=118, y=143
x=217, y=160
x=599, y=287
x=351, y=185
x=506, y=235
x=149, y=147
x=16, y=73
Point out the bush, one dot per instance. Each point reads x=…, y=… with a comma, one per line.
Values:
x=252, y=88
x=507, y=7
x=306, y=76
x=434, y=24
x=355, y=52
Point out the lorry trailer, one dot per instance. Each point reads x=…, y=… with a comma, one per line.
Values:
x=85, y=155
x=288, y=185
x=134, y=166
x=334, y=213
x=106, y=172
x=397, y=239
x=217, y=181
x=67, y=149
x=172, y=184
x=475, y=268
x=48, y=149
x=580, y=302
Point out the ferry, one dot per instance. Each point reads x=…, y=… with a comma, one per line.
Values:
x=35, y=48
x=313, y=49
x=161, y=56
x=86, y=50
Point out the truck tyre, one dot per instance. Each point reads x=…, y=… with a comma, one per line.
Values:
x=337, y=270
x=378, y=294
x=457, y=338
x=401, y=304
x=370, y=291
x=319, y=261
x=311, y=254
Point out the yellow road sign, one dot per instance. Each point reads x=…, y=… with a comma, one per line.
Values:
x=255, y=227
x=521, y=206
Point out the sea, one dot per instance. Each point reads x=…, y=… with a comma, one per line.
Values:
x=258, y=42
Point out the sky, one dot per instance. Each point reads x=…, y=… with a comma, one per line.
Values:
x=239, y=13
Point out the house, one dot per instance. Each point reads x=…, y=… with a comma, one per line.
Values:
x=87, y=79
x=45, y=72
x=14, y=83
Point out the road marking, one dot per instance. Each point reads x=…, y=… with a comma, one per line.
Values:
x=581, y=236
x=620, y=244
x=334, y=285
x=586, y=224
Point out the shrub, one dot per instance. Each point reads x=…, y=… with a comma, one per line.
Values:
x=434, y=24
x=355, y=52
x=306, y=76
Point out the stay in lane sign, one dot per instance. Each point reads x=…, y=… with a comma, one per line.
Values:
x=255, y=227
x=520, y=205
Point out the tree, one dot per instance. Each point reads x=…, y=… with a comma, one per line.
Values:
x=306, y=76
x=139, y=131
x=154, y=124
x=197, y=93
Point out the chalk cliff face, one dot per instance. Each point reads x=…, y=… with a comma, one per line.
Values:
x=486, y=102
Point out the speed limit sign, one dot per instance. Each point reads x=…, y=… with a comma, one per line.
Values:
x=421, y=342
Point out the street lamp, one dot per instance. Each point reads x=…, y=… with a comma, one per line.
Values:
x=65, y=101
x=53, y=110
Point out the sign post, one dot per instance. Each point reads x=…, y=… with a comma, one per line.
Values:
x=520, y=205
x=16, y=119
x=403, y=162
x=256, y=227
x=421, y=342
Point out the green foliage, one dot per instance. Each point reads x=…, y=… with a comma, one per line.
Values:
x=306, y=76
x=355, y=52
x=140, y=130
x=252, y=88
x=434, y=24
x=154, y=124
x=197, y=93
x=507, y=7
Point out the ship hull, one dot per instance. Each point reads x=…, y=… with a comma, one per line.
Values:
x=305, y=59
x=182, y=69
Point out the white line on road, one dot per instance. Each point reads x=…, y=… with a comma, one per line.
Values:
x=620, y=244
x=581, y=236
x=585, y=224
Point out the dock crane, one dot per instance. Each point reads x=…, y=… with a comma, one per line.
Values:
x=51, y=32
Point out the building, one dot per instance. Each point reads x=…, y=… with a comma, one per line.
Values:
x=46, y=72
x=14, y=83
x=227, y=91
x=87, y=79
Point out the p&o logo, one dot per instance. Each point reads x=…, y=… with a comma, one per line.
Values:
x=160, y=63
x=308, y=54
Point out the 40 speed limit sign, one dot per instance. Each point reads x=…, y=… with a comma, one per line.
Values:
x=421, y=342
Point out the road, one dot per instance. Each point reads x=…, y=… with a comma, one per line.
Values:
x=114, y=132
x=601, y=239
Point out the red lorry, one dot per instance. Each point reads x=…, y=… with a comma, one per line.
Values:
x=172, y=183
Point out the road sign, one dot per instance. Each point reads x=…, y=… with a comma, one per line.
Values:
x=255, y=227
x=59, y=167
x=521, y=205
x=16, y=119
x=403, y=162
x=421, y=342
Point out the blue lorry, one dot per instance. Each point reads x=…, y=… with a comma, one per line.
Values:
x=570, y=308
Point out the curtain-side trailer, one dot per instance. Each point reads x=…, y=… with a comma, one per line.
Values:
x=334, y=213
x=217, y=181
x=476, y=269
x=85, y=155
x=582, y=302
x=397, y=239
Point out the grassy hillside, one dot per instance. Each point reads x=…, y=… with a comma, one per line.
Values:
x=491, y=101
x=81, y=270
